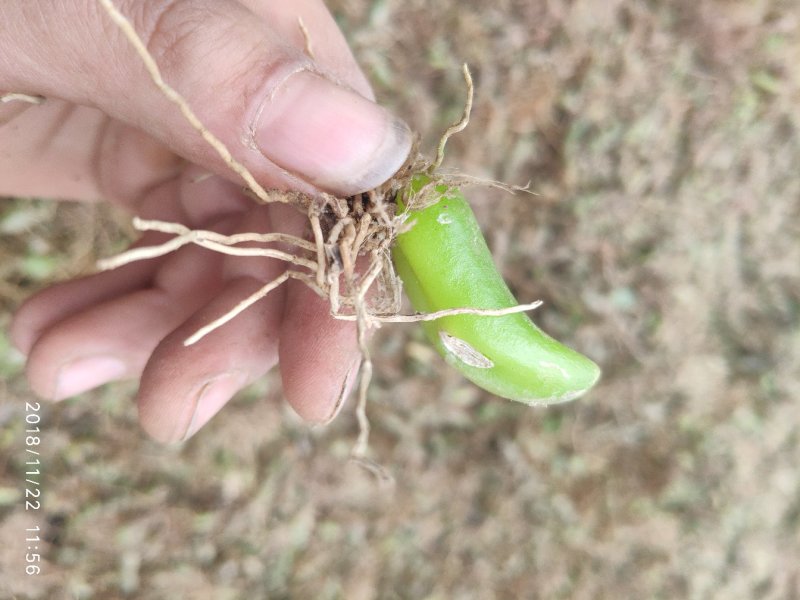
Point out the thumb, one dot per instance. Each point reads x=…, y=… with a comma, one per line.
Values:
x=281, y=113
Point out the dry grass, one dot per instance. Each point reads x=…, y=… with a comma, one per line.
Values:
x=662, y=140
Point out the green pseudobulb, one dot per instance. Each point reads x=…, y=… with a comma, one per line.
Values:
x=444, y=263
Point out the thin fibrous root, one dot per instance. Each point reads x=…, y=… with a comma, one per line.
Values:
x=148, y=252
x=236, y=238
x=458, y=126
x=262, y=252
x=143, y=253
x=384, y=477
x=319, y=246
x=362, y=322
x=17, y=97
x=243, y=305
x=365, y=376
x=308, y=47
x=210, y=240
x=448, y=312
x=171, y=94
x=462, y=179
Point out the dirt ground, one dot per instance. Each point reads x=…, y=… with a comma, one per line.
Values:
x=662, y=140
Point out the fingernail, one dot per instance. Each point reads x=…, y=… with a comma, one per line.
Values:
x=211, y=398
x=86, y=373
x=330, y=136
x=344, y=391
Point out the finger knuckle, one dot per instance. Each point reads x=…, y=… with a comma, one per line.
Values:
x=208, y=42
x=170, y=30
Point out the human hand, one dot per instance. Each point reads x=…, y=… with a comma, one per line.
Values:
x=106, y=132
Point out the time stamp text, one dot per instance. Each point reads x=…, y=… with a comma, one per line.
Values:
x=33, y=487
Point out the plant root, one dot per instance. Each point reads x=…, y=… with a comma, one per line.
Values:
x=17, y=97
x=448, y=312
x=308, y=47
x=458, y=126
x=347, y=259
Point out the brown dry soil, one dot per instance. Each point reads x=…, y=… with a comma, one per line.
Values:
x=662, y=140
